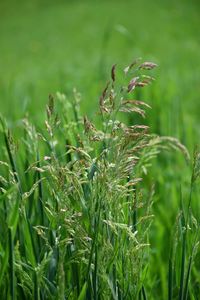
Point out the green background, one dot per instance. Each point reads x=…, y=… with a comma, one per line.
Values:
x=48, y=46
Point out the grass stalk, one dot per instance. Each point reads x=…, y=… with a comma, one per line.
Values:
x=11, y=265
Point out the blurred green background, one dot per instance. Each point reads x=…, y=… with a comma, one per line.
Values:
x=49, y=46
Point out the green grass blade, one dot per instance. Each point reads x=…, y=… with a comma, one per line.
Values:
x=12, y=161
x=185, y=295
x=183, y=257
x=40, y=191
x=195, y=245
x=82, y=295
x=95, y=273
x=170, y=278
x=28, y=241
x=4, y=263
x=11, y=265
x=36, y=288
x=144, y=293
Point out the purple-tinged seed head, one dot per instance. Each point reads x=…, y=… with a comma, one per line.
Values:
x=132, y=84
x=148, y=65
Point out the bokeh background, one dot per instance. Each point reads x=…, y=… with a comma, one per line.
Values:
x=49, y=46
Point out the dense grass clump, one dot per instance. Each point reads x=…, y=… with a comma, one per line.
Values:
x=75, y=222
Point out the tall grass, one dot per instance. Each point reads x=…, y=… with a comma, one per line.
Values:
x=75, y=222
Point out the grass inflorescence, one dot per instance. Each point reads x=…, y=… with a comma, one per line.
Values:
x=74, y=221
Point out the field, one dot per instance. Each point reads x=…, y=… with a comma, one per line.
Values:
x=76, y=220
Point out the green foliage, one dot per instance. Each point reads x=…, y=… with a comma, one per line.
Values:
x=75, y=215
x=55, y=45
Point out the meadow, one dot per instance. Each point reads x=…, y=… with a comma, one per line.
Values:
x=97, y=202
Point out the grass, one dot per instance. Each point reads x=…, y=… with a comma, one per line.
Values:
x=72, y=47
x=78, y=223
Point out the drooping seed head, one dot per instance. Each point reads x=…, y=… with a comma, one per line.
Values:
x=132, y=84
x=148, y=65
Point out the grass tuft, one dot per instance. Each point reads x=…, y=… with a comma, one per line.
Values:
x=74, y=202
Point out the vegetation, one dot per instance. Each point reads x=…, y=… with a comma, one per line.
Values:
x=61, y=179
x=75, y=221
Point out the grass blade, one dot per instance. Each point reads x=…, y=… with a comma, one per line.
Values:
x=83, y=292
x=11, y=265
x=170, y=278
